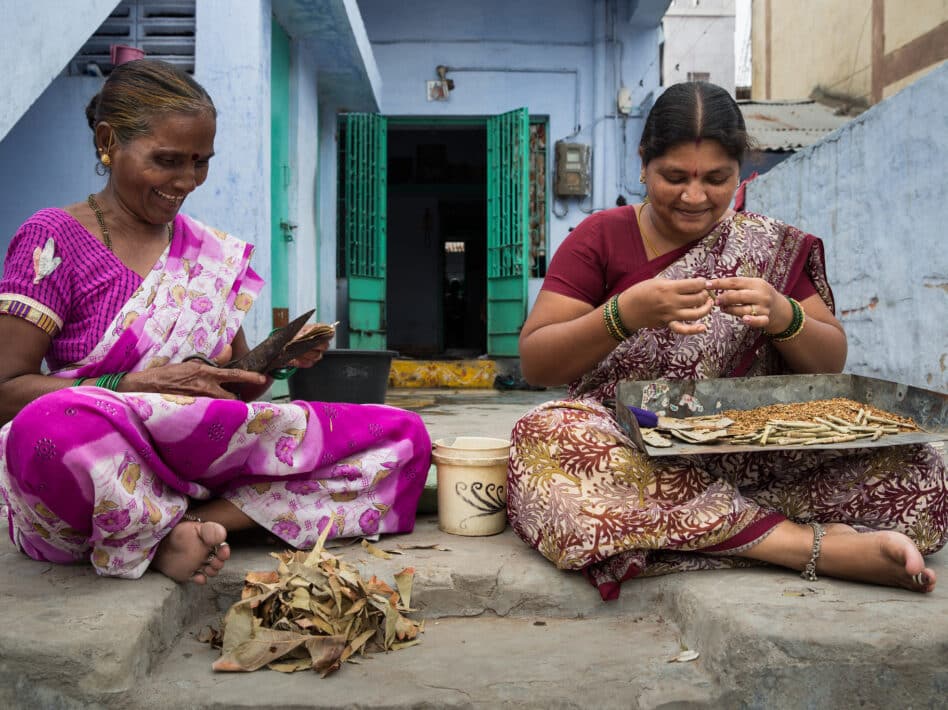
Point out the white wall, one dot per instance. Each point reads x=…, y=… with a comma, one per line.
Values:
x=875, y=191
x=699, y=43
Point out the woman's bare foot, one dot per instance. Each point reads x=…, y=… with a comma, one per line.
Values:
x=883, y=557
x=192, y=551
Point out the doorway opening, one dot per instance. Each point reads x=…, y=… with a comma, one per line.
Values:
x=437, y=240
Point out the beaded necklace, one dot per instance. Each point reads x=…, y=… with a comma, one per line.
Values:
x=105, y=230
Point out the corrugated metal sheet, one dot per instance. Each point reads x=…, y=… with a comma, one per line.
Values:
x=789, y=125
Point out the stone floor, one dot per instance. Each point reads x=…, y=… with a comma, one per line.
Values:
x=503, y=629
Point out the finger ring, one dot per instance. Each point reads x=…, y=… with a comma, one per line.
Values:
x=754, y=310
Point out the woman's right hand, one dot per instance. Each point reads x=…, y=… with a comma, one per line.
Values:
x=192, y=379
x=678, y=304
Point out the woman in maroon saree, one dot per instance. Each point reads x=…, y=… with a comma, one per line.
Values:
x=681, y=287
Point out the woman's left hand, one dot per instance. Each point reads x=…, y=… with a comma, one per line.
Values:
x=310, y=357
x=757, y=303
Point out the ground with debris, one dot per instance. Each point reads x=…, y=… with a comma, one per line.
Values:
x=502, y=628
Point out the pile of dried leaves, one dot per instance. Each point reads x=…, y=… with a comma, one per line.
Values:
x=314, y=612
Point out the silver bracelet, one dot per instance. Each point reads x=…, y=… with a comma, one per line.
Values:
x=809, y=572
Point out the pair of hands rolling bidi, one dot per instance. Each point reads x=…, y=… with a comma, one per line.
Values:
x=680, y=304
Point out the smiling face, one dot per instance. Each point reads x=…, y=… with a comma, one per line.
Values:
x=690, y=188
x=151, y=175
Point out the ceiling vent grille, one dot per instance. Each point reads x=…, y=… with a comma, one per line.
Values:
x=164, y=29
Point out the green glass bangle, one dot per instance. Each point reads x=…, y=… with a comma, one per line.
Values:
x=282, y=373
x=110, y=381
x=796, y=323
x=610, y=325
x=617, y=318
x=79, y=381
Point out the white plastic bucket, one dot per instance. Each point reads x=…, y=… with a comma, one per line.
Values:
x=472, y=484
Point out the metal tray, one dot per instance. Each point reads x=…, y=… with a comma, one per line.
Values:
x=686, y=398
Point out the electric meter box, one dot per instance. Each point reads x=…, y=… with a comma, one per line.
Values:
x=572, y=169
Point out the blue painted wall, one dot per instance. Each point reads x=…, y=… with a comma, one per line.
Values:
x=562, y=59
x=875, y=191
x=48, y=158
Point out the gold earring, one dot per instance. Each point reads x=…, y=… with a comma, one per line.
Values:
x=105, y=159
x=642, y=177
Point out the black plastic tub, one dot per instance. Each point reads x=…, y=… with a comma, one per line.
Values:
x=356, y=376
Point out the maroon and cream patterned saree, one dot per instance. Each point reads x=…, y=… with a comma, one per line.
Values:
x=584, y=496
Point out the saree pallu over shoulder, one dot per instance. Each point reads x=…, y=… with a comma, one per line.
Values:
x=747, y=245
x=192, y=302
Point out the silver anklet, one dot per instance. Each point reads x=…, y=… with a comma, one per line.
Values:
x=190, y=517
x=809, y=572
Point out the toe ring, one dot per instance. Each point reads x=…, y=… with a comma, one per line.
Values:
x=919, y=579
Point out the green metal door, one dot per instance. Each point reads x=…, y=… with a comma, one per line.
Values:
x=280, y=228
x=366, y=158
x=508, y=235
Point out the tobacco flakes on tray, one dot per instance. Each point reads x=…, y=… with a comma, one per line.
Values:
x=823, y=421
x=313, y=612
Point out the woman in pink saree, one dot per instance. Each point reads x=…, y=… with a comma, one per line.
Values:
x=681, y=287
x=126, y=456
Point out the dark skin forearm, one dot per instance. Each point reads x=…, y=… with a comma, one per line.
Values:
x=22, y=381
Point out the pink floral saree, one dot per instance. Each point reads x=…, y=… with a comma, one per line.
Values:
x=91, y=474
x=581, y=493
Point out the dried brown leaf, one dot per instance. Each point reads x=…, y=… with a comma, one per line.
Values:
x=377, y=586
x=435, y=546
x=326, y=652
x=271, y=577
x=264, y=647
x=300, y=599
x=210, y=635
x=404, y=581
x=357, y=643
x=391, y=625
x=375, y=551
x=356, y=607
x=238, y=626
x=291, y=666
x=405, y=628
